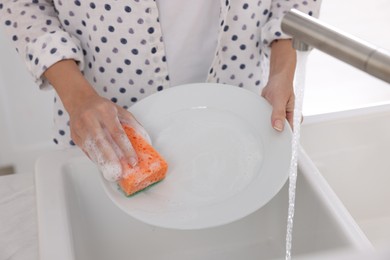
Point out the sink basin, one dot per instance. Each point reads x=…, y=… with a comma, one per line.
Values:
x=351, y=150
x=78, y=221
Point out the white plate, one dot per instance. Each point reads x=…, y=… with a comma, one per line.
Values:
x=225, y=160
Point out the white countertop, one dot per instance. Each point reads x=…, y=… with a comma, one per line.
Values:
x=18, y=220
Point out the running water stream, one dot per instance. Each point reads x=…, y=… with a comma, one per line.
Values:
x=299, y=92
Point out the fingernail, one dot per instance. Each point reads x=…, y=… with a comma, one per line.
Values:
x=278, y=125
x=133, y=161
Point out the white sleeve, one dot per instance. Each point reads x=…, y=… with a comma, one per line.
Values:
x=38, y=36
x=271, y=30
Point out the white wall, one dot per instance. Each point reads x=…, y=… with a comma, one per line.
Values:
x=25, y=112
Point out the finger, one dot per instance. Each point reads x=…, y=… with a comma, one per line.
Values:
x=290, y=118
x=290, y=112
x=103, y=154
x=121, y=142
x=278, y=116
x=126, y=118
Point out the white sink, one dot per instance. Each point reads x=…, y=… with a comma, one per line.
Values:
x=78, y=221
x=351, y=150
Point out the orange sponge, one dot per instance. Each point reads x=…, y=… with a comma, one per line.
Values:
x=151, y=167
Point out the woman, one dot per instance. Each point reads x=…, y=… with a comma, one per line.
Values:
x=103, y=56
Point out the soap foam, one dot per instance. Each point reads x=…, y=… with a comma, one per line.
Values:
x=154, y=166
x=111, y=171
x=111, y=168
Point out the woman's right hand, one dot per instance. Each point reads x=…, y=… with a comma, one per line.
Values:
x=96, y=127
x=95, y=122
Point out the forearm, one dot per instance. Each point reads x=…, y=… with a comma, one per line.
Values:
x=283, y=60
x=69, y=83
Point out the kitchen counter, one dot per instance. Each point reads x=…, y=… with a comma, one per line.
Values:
x=18, y=220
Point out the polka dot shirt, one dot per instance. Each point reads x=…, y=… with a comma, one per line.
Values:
x=119, y=47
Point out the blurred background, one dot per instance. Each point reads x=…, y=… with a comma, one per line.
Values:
x=26, y=112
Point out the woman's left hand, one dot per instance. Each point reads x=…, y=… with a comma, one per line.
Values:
x=279, y=92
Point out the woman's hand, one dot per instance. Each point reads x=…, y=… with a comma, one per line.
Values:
x=96, y=127
x=95, y=122
x=279, y=90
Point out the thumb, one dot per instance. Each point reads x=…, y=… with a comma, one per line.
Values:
x=278, y=116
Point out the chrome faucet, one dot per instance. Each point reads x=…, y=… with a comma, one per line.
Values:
x=309, y=32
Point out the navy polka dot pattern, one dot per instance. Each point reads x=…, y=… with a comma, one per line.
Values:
x=119, y=46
